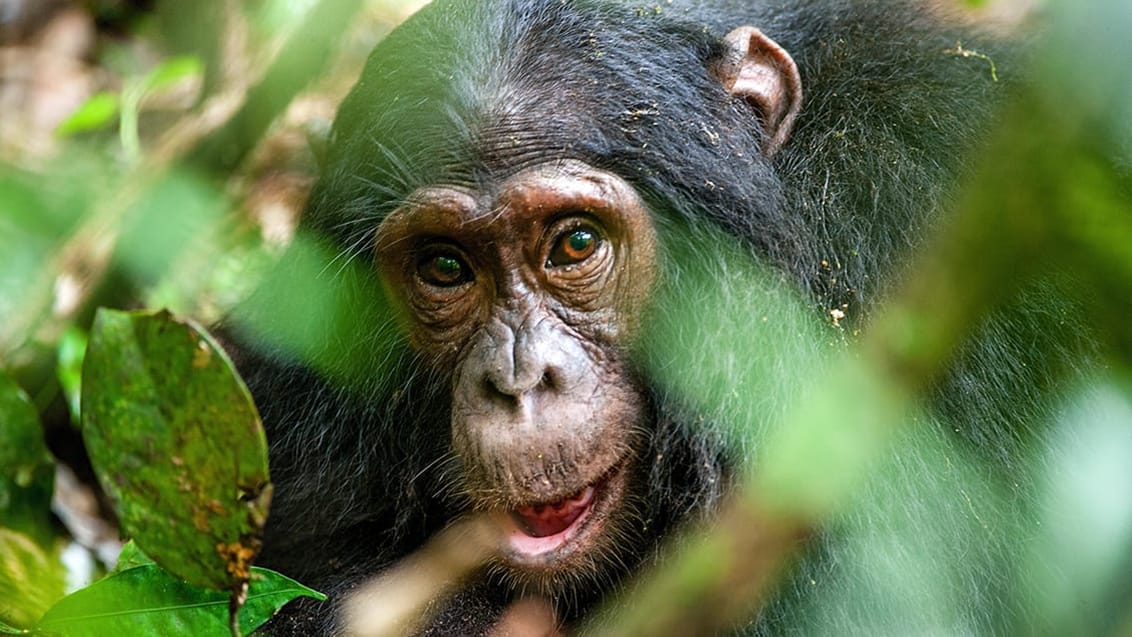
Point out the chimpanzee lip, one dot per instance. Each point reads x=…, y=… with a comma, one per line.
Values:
x=523, y=548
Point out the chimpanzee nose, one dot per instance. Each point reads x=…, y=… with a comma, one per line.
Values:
x=516, y=384
x=536, y=357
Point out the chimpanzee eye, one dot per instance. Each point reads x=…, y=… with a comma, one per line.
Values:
x=443, y=270
x=574, y=246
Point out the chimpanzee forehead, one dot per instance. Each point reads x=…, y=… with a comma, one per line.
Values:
x=467, y=94
x=493, y=86
x=545, y=190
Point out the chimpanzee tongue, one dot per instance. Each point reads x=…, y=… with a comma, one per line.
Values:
x=542, y=520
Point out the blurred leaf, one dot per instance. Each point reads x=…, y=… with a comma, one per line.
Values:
x=38, y=216
x=279, y=15
x=69, y=369
x=1080, y=549
x=747, y=335
x=352, y=338
x=177, y=444
x=838, y=427
x=5, y=629
x=98, y=111
x=30, y=579
x=753, y=347
x=27, y=470
x=24, y=249
x=171, y=71
x=146, y=600
x=176, y=212
x=925, y=501
x=50, y=209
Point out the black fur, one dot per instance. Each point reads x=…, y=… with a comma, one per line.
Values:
x=468, y=91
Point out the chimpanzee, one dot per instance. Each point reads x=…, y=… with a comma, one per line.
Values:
x=515, y=179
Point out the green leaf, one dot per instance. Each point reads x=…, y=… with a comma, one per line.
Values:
x=172, y=71
x=702, y=320
x=69, y=369
x=30, y=579
x=5, y=629
x=340, y=340
x=153, y=241
x=95, y=113
x=146, y=600
x=177, y=444
x=27, y=470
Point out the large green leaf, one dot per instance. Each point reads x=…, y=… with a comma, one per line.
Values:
x=177, y=443
x=146, y=600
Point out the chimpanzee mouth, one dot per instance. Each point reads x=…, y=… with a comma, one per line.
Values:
x=545, y=520
x=539, y=534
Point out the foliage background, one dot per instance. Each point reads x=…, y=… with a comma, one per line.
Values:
x=151, y=155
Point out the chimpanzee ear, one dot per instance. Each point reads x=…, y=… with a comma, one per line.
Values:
x=763, y=73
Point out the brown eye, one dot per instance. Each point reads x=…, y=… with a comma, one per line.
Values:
x=443, y=270
x=573, y=247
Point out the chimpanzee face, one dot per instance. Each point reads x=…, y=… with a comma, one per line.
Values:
x=529, y=294
x=528, y=290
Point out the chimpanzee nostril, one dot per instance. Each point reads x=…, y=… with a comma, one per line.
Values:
x=515, y=387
